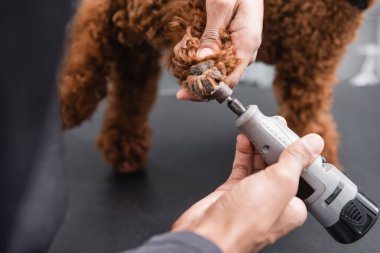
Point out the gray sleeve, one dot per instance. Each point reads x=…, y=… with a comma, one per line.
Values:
x=179, y=242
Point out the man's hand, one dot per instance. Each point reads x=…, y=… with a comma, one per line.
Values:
x=256, y=205
x=244, y=20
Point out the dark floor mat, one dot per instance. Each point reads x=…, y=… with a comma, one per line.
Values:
x=193, y=146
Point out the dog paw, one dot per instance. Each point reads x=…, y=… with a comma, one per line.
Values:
x=71, y=117
x=125, y=149
x=203, y=78
x=78, y=103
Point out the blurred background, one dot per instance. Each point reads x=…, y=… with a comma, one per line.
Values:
x=369, y=34
x=191, y=154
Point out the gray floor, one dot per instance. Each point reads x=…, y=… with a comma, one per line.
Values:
x=108, y=213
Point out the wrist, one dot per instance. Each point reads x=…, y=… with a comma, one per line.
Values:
x=228, y=237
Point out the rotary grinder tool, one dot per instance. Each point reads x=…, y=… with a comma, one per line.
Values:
x=328, y=194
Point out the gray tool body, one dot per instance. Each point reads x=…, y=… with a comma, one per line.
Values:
x=328, y=194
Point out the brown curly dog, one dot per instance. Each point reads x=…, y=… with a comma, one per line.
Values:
x=110, y=40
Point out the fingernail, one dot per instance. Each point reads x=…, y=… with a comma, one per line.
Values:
x=204, y=52
x=314, y=143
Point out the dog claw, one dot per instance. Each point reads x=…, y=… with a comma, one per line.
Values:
x=203, y=79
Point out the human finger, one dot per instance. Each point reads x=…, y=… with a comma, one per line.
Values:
x=185, y=94
x=278, y=183
x=243, y=160
x=282, y=119
x=258, y=163
x=283, y=176
x=219, y=15
x=246, y=30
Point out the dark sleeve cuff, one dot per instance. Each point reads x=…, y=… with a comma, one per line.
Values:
x=178, y=242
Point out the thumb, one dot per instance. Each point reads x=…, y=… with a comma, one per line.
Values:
x=302, y=153
x=219, y=15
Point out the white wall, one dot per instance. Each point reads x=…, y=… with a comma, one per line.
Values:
x=369, y=33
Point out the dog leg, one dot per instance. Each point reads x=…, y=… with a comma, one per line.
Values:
x=125, y=137
x=304, y=93
x=312, y=42
x=84, y=71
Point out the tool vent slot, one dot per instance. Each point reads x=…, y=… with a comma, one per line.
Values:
x=352, y=213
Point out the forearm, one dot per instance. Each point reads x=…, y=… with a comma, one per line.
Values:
x=179, y=242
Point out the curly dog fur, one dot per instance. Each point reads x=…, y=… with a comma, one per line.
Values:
x=114, y=49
